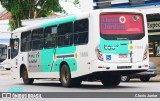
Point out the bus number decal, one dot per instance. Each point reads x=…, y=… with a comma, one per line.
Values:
x=84, y=54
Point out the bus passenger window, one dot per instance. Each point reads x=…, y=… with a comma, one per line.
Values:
x=37, y=39
x=65, y=34
x=14, y=47
x=50, y=35
x=26, y=41
x=81, y=32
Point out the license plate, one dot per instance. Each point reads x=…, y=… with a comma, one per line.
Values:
x=123, y=55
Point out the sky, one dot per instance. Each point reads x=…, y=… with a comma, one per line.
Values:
x=69, y=7
x=1, y=8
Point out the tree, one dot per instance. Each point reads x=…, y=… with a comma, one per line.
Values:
x=76, y=3
x=28, y=9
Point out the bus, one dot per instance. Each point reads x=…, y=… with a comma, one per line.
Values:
x=4, y=56
x=5, y=51
x=96, y=45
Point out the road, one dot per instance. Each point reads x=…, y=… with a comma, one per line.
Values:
x=47, y=85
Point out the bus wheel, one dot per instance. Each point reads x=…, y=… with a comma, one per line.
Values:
x=145, y=79
x=25, y=78
x=110, y=80
x=65, y=76
x=116, y=80
x=107, y=80
x=77, y=82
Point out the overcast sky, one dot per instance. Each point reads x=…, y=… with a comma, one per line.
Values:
x=69, y=7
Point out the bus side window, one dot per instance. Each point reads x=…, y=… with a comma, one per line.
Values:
x=37, y=39
x=81, y=28
x=14, y=47
x=50, y=35
x=65, y=34
x=26, y=41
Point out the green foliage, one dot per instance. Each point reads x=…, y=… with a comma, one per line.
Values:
x=28, y=9
x=76, y=2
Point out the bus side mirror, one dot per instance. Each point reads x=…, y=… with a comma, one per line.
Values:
x=9, y=52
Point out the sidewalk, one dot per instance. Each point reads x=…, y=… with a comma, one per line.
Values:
x=155, y=79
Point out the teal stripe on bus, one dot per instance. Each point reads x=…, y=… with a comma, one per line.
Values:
x=72, y=63
x=65, y=50
x=107, y=45
x=61, y=20
x=47, y=54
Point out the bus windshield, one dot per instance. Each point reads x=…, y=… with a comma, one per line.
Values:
x=3, y=53
x=116, y=26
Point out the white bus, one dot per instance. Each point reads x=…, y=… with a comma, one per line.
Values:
x=4, y=56
x=5, y=51
x=97, y=45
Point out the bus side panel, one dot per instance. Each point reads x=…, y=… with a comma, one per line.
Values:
x=46, y=59
x=86, y=53
x=64, y=54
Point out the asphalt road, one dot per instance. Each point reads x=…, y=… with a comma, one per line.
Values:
x=47, y=85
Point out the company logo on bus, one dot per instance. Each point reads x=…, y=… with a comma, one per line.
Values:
x=110, y=47
x=135, y=18
x=122, y=19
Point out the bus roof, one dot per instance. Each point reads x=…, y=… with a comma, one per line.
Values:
x=61, y=19
x=68, y=18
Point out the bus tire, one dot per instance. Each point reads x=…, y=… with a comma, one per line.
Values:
x=77, y=82
x=106, y=80
x=65, y=76
x=145, y=79
x=25, y=78
x=117, y=80
x=110, y=80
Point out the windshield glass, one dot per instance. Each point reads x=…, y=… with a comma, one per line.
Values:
x=3, y=52
x=121, y=26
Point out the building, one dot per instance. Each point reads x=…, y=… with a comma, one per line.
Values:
x=4, y=27
x=152, y=9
